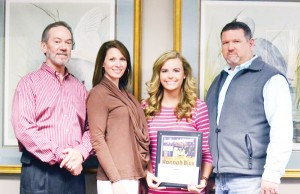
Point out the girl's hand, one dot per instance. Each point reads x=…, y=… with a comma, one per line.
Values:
x=153, y=181
x=197, y=188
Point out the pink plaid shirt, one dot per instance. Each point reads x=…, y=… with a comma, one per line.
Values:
x=49, y=116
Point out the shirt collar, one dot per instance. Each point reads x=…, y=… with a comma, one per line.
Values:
x=54, y=73
x=240, y=67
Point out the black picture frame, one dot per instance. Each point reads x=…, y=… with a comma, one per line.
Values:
x=178, y=158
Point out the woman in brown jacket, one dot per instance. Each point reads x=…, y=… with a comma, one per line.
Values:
x=117, y=123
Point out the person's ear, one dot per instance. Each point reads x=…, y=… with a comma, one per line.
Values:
x=252, y=42
x=44, y=47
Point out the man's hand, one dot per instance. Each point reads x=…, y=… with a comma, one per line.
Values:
x=72, y=161
x=76, y=171
x=269, y=187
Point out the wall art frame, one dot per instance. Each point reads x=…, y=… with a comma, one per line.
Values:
x=193, y=15
x=125, y=26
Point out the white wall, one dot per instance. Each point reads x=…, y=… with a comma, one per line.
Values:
x=290, y=186
x=157, y=35
x=9, y=184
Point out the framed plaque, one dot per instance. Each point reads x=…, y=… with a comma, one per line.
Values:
x=178, y=158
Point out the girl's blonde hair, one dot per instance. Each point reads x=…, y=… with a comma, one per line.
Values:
x=156, y=90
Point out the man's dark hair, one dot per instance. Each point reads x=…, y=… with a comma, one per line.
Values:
x=235, y=25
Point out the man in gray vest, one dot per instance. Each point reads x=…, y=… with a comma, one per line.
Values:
x=250, y=116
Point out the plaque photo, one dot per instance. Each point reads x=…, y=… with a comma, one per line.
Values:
x=178, y=158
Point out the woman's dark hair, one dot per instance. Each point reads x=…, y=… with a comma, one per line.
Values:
x=99, y=73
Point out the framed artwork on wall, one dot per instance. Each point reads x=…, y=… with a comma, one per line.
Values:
x=277, y=41
x=93, y=22
x=22, y=21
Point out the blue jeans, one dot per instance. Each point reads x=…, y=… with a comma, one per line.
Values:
x=228, y=183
